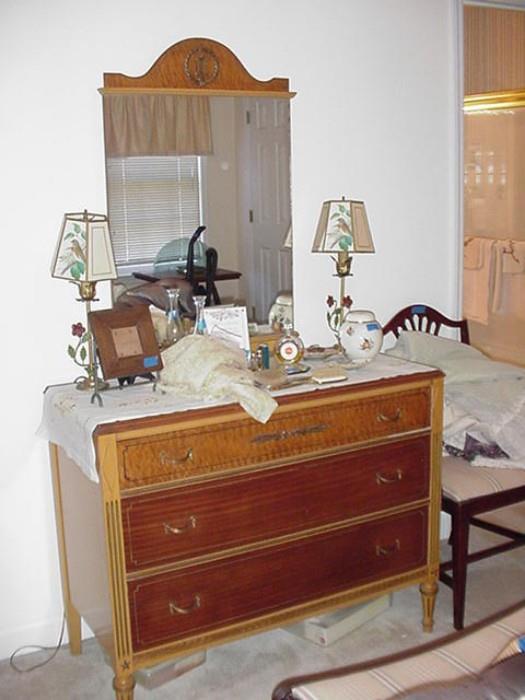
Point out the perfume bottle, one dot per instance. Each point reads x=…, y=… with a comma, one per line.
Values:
x=175, y=328
x=200, y=324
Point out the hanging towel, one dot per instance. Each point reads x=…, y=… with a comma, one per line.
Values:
x=496, y=286
x=514, y=258
x=512, y=301
x=473, y=253
x=477, y=279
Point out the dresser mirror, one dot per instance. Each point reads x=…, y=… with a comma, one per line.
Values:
x=198, y=141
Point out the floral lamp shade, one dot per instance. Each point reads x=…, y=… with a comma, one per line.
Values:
x=84, y=252
x=343, y=228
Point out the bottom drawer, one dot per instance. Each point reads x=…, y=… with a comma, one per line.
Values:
x=168, y=607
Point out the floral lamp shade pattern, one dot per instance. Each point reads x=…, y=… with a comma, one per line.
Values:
x=343, y=228
x=84, y=252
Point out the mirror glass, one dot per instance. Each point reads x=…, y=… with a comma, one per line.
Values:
x=240, y=192
x=494, y=224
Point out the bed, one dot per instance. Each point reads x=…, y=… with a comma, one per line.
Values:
x=484, y=412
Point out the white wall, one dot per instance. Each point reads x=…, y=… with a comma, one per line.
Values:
x=374, y=118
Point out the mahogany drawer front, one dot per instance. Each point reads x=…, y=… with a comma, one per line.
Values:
x=214, y=448
x=169, y=607
x=204, y=518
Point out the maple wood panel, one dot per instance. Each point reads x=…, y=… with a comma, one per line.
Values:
x=197, y=64
x=214, y=449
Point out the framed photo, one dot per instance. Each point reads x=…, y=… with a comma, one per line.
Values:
x=126, y=341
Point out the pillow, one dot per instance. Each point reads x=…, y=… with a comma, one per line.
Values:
x=460, y=362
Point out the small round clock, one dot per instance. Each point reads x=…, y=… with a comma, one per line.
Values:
x=289, y=349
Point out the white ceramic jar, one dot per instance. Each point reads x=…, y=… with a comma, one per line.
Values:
x=361, y=336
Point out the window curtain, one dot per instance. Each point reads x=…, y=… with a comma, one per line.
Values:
x=157, y=125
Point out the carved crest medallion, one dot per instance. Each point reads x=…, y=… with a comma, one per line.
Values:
x=201, y=66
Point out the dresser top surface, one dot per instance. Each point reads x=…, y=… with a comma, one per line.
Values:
x=70, y=420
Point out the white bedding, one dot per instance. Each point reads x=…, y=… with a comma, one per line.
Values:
x=490, y=412
x=484, y=399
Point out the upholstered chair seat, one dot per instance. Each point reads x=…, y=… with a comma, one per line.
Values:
x=461, y=481
x=465, y=657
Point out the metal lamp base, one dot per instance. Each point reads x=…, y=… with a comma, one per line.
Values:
x=93, y=384
x=88, y=384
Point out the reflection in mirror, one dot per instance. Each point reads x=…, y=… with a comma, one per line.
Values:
x=228, y=171
x=247, y=197
x=494, y=223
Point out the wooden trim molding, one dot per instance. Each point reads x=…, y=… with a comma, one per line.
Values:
x=197, y=66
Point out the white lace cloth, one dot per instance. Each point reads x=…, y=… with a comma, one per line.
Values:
x=212, y=369
x=69, y=418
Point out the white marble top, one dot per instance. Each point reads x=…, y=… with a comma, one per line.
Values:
x=69, y=418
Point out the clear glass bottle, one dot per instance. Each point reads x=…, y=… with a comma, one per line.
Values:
x=175, y=328
x=200, y=324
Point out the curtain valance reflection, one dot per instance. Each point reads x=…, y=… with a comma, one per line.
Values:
x=157, y=125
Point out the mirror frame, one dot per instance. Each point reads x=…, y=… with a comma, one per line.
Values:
x=196, y=66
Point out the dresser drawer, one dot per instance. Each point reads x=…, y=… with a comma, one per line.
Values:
x=211, y=449
x=228, y=512
x=169, y=607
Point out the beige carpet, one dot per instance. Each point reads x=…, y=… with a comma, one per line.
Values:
x=249, y=669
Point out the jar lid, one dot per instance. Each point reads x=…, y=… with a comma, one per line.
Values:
x=360, y=316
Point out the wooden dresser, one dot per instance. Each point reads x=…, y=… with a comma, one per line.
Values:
x=207, y=526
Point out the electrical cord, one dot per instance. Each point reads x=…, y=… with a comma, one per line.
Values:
x=37, y=647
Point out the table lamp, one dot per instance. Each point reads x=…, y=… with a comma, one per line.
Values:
x=343, y=230
x=84, y=256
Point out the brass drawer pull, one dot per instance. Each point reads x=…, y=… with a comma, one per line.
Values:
x=388, y=550
x=166, y=460
x=190, y=525
x=177, y=610
x=385, y=479
x=285, y=434
x=382, y=418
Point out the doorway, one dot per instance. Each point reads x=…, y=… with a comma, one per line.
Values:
x=494, y=182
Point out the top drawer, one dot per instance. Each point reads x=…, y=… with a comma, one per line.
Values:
x=291, y=432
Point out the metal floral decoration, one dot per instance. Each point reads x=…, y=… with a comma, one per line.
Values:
x=79, y=353
x=337, y=314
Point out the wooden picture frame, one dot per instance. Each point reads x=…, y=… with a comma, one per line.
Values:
x=125, y=341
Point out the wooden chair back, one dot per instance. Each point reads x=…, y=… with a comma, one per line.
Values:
x=420, y=317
